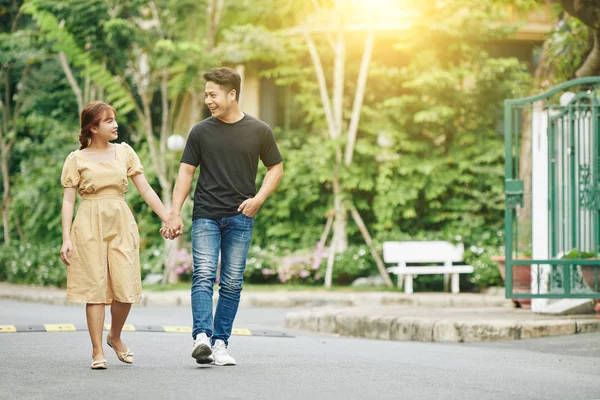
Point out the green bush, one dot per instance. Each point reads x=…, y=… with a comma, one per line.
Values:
x=33, y=264
x=261, y=265
x=301, y=267
x=151, y=260
x=355, y=262
x=486, y=273
x=41, y=265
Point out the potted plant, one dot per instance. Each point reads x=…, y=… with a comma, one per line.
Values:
x=588, y=272
x=521, y=275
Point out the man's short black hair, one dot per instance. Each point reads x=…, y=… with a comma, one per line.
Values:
x=227, y=78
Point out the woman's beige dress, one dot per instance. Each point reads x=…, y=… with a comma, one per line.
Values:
x=105, y=262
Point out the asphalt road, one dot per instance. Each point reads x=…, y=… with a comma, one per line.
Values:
x=45, y=365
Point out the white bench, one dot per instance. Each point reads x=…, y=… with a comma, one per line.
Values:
x=401, y=253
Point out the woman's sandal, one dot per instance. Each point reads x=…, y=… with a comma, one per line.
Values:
x=126, y=356
x=99, y=364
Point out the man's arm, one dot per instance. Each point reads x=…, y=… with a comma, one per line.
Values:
x=251, y=206
x=180, y=192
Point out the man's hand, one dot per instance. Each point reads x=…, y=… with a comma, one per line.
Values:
x=250, y=206
x=173, y=227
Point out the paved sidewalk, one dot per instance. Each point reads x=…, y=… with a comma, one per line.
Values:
x=428, y=317
x=439, y=324
x=277, y=299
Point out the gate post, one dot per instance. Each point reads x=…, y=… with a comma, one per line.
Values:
x=539, y=204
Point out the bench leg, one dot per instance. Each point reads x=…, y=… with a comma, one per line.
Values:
x=446, y=282
x=408, y=285
x=400, y=281
x=455, y=288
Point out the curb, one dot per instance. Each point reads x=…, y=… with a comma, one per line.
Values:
x=282, y=299
x=321, y=299
x=391, y=327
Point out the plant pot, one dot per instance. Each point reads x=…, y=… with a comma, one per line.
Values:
x=588, y=272
x=521, y=279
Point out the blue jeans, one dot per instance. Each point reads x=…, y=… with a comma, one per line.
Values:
x=230, y=235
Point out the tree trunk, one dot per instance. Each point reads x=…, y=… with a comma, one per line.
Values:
x=5, y=156
x=339, y=242
x=359, y=96
x=18, y=227
x=5, y=195
x=72, y=81
x=341, y=216
x=323, y=92
x=330, y=262
x=196, y=111
x=588, y=12
x=524, y=212
x=591, y=65
x=338, y=77
x=339, y=228
x=369, y=241
x=214, y=10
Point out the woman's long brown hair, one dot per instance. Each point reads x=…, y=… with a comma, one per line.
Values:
x=91, y=116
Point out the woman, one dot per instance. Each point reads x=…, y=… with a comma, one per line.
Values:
x=101, y=250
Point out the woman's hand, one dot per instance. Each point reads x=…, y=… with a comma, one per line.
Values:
x=65, y=251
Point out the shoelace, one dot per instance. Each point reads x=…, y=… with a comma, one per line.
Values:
x=219, y=349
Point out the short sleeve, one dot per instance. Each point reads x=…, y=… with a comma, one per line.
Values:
x=70, y=174
x=269, y=152
x=134, y=165
x=191, y=152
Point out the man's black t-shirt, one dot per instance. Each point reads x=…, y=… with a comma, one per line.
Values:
x=228, y=157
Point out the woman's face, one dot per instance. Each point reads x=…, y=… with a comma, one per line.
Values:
x=107, y=129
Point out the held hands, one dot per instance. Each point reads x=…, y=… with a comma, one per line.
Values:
x=250, y=206
x=173, y=227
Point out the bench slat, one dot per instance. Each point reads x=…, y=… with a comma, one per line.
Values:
x=455, y=269
x=422, y=252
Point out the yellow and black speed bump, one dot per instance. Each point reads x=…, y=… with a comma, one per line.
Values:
x=133, y=328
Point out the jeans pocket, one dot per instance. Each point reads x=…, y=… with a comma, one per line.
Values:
x=247, y=221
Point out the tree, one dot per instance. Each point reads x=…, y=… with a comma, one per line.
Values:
x=588, y=12
x=16, y=58
x=571, y=50
x=154, y=68
x=333, y=108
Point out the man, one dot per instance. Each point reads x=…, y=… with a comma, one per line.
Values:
x=227, y=146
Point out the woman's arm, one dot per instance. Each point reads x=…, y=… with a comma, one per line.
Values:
x=150, y=196
x=68, y=205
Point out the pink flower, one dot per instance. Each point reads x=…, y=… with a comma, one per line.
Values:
x=304, y=274
x=266, y=271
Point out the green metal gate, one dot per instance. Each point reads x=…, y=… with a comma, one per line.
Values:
x=552, y=188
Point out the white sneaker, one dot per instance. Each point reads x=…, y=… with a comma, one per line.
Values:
x=202, y=351
x=220, y=354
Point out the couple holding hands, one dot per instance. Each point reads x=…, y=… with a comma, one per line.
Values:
x=101, y=246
